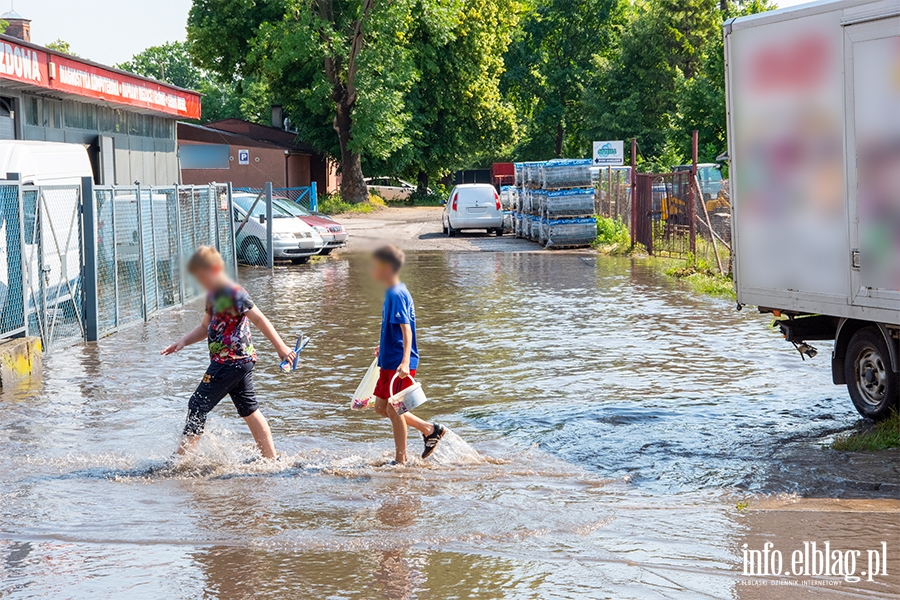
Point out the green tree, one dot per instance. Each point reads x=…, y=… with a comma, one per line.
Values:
x=60, y=45
x=458, y=116
x=343, y=62
x=549, y=66
x=170, y=62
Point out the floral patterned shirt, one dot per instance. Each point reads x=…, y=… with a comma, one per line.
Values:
x=229, y=329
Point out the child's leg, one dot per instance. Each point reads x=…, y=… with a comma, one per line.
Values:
x=216, y=383
x=398, y=424
x=424, y=427
x=259, y=427
x=244, y=397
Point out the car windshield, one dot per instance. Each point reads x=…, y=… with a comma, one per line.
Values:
x=291, y=207
x=245, y=202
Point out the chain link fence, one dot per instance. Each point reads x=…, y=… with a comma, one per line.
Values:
x=307, y=196
x=80, y=262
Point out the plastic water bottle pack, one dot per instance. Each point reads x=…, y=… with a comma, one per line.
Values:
x=574, y=202
x=565, y=173
x=568, y=232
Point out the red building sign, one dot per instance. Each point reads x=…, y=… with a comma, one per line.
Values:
x=61, y=73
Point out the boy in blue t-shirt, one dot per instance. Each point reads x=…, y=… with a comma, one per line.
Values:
x=398, y=353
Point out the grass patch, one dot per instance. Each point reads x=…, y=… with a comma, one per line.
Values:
x=881, y=436
x=612, y=237
x=433, y=198
x=703, y=279
x=332, y=204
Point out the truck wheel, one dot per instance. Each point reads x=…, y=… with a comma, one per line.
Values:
x=873, y=384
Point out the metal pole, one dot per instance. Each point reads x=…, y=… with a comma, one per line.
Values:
x=140, y=228
x=180, y=243
x=633, y=190
x=692, y=215
x=231, y=231
x=270, y=246
x=115, y=246
x=313, y=197
x=91, y=289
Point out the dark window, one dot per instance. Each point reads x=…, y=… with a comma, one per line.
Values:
x=73, y=114
x=53, y=112
x=32, y=110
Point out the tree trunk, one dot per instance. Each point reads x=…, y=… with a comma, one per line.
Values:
x=422, y=188
x=353, y=185
x=559, y=139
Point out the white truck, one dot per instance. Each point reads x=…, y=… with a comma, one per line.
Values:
x=814, y=143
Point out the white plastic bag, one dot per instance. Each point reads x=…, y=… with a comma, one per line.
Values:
x=364, y=396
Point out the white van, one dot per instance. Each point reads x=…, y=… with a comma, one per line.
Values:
x=473, y=206
x=45, y=163
x=292, y=238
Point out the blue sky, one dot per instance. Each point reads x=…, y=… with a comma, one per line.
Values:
x=111, y=31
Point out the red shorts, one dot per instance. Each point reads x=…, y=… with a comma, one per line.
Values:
x=382, y=388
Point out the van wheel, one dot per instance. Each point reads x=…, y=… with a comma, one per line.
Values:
x=498, y=232
x=254, y=252
x=301, y=260
x=873, y=384
x=451, y=232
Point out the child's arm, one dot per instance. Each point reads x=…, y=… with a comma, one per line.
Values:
x=403, y=369
x=197, y=334
x=265, y=327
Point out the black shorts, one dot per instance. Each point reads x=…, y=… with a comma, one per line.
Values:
x=221, y=379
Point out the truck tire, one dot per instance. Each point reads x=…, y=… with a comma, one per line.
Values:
x=873, y=384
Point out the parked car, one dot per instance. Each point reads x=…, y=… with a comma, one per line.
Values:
x=473, y=206
x=390, y=188
x=332, y=232
x=293, y=239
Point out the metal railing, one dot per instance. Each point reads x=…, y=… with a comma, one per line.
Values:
x=79, y=262
x=306, y=196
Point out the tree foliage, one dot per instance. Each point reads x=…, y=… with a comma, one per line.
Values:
x=59, y=44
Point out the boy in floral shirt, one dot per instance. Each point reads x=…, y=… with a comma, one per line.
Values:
x=226, y=327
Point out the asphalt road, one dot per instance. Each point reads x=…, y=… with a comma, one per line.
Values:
x=419, y=228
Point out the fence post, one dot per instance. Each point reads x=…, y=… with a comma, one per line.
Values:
x=234, y=262
x=180, y=245
x=633, y=190
x=270, y=247
x=692, y=215
x=140, y=229
x=91, y=291
x=313, y=197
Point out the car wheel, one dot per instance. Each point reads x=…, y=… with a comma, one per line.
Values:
x=326, y=251
x=498, y=232
x=301, y=260
x=451, y=232
x=873, y=384
x=254, y=252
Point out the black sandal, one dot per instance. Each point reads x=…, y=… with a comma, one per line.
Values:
x=431, y=441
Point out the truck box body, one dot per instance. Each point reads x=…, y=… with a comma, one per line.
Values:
x=814, y=142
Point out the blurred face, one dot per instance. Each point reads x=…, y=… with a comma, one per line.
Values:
x=210, y=279
x=382, y=272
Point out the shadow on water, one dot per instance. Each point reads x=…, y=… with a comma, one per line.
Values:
x=606, y=422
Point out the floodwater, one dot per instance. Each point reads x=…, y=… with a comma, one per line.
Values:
x=613, y=436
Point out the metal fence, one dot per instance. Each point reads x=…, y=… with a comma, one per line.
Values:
x=612, y=197
x=675, y=218
x=306, y=197
x=145, y=235
x=80, y=262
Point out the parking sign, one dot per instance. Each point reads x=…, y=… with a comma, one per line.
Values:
x=608, y=154
x=243, y=157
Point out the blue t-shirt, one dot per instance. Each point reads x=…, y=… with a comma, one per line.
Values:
x=398, y=310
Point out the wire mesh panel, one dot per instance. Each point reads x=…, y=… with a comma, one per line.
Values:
x=58, y=210
x=12, y=309
x=107, y=294
x=148, y=251
x=225, y=228
x=167, y=265
x=128, y=257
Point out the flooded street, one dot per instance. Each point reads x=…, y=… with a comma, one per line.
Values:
x=613, y=436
